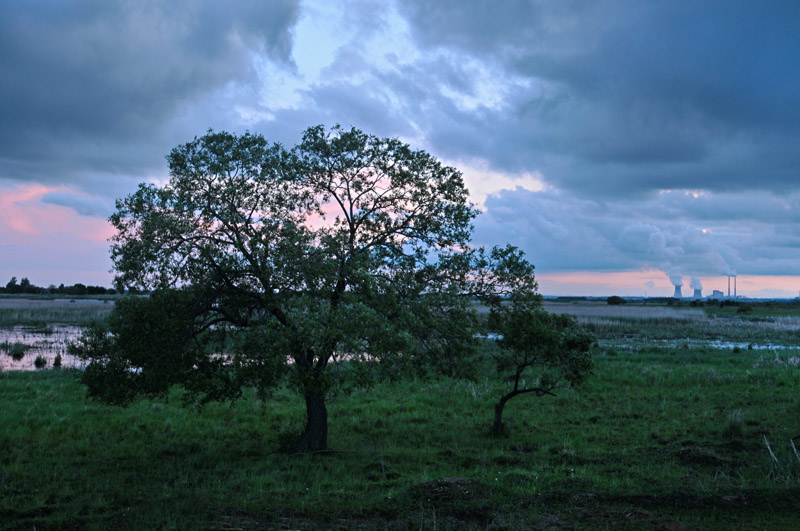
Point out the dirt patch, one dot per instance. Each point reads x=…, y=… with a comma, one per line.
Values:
x=463, y=503
x=448, y=490
x=506, y=460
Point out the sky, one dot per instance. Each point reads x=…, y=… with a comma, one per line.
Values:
x=624, y=145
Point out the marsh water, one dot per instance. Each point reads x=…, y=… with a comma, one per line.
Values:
x=28, y=341
x=46, y=343
x=42, y=327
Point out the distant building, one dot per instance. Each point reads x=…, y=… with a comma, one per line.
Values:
x=718, y=295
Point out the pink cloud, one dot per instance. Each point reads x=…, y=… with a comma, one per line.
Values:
x=48, y=243
x=654, y=283
x=24, y=216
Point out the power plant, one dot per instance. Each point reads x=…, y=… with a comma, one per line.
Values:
x=729, y=286
x=697, y=286
x=677, y=280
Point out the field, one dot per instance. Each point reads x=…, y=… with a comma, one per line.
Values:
x=669, y=433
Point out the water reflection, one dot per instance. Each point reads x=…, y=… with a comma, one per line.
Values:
x=47, y=343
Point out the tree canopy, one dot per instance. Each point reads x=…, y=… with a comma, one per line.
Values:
x=347, y=247
x=348, y=254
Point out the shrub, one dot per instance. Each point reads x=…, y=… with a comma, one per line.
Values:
x=15, y=350
x=40, y=362
x=614, y=300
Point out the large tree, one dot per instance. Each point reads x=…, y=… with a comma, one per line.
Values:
x=347, y=248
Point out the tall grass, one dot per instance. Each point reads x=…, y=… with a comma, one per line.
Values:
x=656, y=323
x=784, y=469
x=43, y=313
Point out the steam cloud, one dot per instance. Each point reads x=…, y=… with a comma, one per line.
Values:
x=675, y=277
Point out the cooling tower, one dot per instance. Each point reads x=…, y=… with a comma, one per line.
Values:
x=677, y=294
x=698, y=293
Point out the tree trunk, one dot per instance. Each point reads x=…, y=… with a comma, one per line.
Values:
x=315, y=436
x=497, y=427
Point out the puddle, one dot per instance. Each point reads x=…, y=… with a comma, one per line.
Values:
x=47, y=344
x=749, y=346
x=694, y=343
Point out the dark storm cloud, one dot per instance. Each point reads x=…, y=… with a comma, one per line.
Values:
x=84, y=205
x=695, y=235
x=630, y=96
x=613, y=105
x=667, y=133
x=345, y=103
x=398, y=100
x=90, y=89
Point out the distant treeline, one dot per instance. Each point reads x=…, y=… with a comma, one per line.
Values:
x=25, y=286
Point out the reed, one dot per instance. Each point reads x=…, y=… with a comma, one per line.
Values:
x=42, y=313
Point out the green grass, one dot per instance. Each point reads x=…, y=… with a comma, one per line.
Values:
x=656, y=437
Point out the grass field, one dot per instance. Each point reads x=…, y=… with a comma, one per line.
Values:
x=659, y=438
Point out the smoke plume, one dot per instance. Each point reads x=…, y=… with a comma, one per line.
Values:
x=675, y=277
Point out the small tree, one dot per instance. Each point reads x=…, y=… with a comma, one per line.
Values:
x=12, y=286
x=347, y=248
x=537, y=352
x=553, y=347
